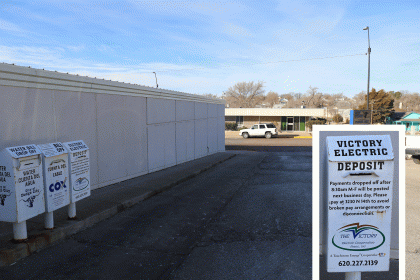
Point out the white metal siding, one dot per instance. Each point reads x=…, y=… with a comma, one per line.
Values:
x=200, y=138
x=160, y=110
x=184, y=141
x=221, y=134
x=184, y=110
x=130, y=130
x=200, y=110
x=212, y=135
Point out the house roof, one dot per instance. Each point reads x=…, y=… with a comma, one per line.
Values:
x=396, y=116
x=412, y=115
x=409, y=120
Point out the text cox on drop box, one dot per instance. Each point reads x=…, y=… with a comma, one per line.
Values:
x=79, y=170
x=56, y=176
x=21, y=184
x=360, y=182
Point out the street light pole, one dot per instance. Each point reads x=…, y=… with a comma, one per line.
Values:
x=367, y=97
x=157, y=86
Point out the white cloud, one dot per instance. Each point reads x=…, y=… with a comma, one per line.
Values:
x=191, y=7
x=76, y=48
x=105, y=48
x=235, y=30
x=10, y=27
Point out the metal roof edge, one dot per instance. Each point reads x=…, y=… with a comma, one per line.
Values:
x=20, y=76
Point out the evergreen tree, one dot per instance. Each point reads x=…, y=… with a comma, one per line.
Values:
x=382, y=104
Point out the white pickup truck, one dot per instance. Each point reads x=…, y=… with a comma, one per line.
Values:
x=412, y=147
x=262, y=129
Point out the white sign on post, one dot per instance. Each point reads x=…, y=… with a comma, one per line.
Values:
x=360, y=182
x=21, y=184
x=79, y=170
x=56, y=177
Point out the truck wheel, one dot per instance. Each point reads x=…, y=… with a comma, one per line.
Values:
x=268, y=135
x=416, y=159
x=245, y=135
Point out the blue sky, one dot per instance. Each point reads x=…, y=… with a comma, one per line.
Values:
x=208, y=46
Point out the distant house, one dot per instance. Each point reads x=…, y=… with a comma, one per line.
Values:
x=408, y=119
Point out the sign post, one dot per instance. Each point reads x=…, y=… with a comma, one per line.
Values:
x=360, y=184
x=360, y=117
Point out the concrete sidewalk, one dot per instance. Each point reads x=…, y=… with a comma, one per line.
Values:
x=102, y=204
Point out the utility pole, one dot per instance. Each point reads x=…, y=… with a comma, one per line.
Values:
x=371, y=114
x=367, y=97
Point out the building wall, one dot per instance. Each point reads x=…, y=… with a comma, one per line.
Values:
x=277, y=116
x=131, y=130
x=251, y=120
x=279, y=122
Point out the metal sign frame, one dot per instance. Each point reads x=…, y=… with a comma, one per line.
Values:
x=319, y=177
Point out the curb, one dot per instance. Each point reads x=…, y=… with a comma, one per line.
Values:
x=38, y=240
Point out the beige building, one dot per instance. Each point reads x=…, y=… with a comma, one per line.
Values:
x=285, y=119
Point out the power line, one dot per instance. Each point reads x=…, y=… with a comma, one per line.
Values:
x=261, y=63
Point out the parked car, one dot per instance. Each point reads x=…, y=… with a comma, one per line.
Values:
x=262, y=129
x=412, y=147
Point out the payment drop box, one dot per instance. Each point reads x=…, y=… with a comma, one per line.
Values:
x=79, y=170
x=56, y=176
x=360, y=182
x=21, y=184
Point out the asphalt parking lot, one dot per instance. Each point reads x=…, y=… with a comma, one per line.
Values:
x=412, y=218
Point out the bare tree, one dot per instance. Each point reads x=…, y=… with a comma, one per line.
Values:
x=245, y=94
x=358, y=100
x=312, y=97
x=294, y=99
x=410, y=101
x=271, y=98
x=210, y=95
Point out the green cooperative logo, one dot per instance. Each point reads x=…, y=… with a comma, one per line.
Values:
x=81, y=184
x=355, y=237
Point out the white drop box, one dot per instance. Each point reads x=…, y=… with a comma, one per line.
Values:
x=78, y=153
x=360, y=182
x=21, y=184
x=56, y=176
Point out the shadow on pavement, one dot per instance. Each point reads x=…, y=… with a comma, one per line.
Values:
x=285, y=135
x=269, y=148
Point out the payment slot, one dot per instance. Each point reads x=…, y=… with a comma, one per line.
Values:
x=360, y=182
x=56, y=179
x=79, y=170
x=21, y=187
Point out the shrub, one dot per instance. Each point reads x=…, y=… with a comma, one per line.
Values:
x=311, y=122
x=231, y=126
x=276, y=124
x=337, y=118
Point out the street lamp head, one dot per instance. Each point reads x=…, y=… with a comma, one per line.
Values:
x=366, y=28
